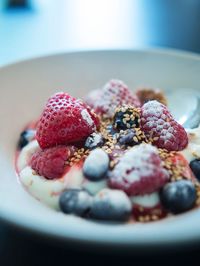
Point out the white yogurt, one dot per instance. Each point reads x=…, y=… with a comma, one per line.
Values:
x=48, y=190
x=26, y=153
x=192, y=151
x=94, y=187
x=44, y=190
x=147, y=200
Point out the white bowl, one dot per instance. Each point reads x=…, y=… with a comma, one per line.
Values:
x=24, y=88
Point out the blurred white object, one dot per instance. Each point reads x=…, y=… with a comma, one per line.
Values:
x=185, y=106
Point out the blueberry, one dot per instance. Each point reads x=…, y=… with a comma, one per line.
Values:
x=111, y=205
x=94, y=140
x=126, y=117
x=25, y=137
x=96, y=165
x=127, y=138
x=178, y=196
x=118, y=121
x=111, y=130
x=195, y=167
x=75, y=201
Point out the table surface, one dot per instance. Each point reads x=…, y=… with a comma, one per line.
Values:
x=55, y=26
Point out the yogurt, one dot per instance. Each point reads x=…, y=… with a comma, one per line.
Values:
x=192, y=151
x=48, y=190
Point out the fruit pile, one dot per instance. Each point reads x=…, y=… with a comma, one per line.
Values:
x=131, y=141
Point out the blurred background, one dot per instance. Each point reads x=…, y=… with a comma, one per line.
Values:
x=30, y=28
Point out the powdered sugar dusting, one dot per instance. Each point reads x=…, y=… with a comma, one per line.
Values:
x=154, y=118
x=114, y=87
x=153, y=108
x=160, y=126
x=139, y=171
x=87, y=117
x=93, y=98
x=134, y=164
x=117, y=198
x=96, y=139
x=116, y=93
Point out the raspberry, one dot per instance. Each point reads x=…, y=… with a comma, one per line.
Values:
x=146, y=214
x=65, y=120
x=113, y=94
x=160, y=127
x=178, y=166
x=50, y=162
x=139, y=171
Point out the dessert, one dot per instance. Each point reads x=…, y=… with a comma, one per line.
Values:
x=116, y=156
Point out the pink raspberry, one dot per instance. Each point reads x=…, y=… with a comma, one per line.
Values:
x=161, y=128
x=139, y=171
x=93, y=98
x=179, y=166
x=115, y=93
x=50, y=162
x=65, y=120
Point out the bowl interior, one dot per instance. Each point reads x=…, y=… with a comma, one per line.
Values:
x=24, y=89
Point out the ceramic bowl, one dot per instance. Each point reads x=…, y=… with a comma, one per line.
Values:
x=24, y=88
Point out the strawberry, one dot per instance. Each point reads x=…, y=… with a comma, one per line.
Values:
x=160, y=127
x=51, y=162
x=113, y=94
x=65, y=120
x=139, y=171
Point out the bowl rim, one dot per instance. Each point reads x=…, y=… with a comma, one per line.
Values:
x=26, y=225
x=157, y=50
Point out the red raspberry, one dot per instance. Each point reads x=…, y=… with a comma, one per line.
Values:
x=160, y=127
x=50, y=162
x=179, y=167
x=146, y=214
x=65, y=120
x=139, y=171
x=113, y=94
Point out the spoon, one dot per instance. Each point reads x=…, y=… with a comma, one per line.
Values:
x=185, y=106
